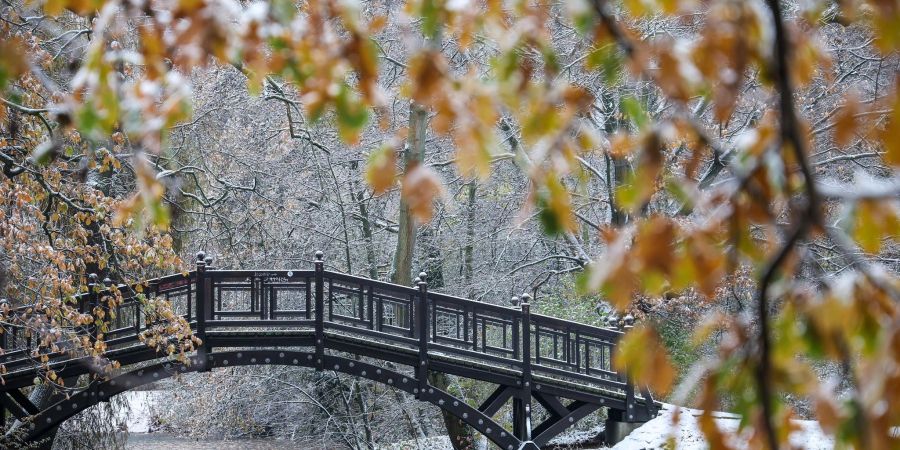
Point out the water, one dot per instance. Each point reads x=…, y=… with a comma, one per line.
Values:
x=139, y=437
x=162, y=441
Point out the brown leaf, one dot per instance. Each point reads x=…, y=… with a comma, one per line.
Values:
x=381, y=170
x=426, y=72
x=421, y=187
x=654, y=245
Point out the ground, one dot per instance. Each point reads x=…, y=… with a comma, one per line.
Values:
x=655, y=433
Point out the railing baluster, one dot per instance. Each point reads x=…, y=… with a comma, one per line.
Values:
x=474, y=328
x=320, y=311
x=422, y=325
x=273, y=303
x=577, y=351
x=465, y=319
x=371, y=304
x=91, y=329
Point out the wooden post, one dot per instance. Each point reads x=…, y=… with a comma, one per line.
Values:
x=91, y=305
x=631, y=414
x=522, y=404
x=320, y=311
x=422, y=326
x=201, y=295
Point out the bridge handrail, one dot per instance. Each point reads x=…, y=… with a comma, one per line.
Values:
x=608, y=334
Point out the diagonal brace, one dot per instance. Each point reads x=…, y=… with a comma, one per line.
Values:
x=553, y=426
x=496, y=400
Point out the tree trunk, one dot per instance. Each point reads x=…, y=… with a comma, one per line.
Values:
x=406, y=233
x=469, y=249
x=366, y=222
x=459, y=433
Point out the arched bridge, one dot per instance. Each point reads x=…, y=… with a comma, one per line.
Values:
x=328, y=320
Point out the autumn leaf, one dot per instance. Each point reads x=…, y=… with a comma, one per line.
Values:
x=352, y=115
x=641, y=184
x=13, y=62
x=381, y=170
x=554, y=205
x=890, y=132
x=873, y=222
x=643, y=357
x=845, y=121
x=426, y=72
x=421, y=188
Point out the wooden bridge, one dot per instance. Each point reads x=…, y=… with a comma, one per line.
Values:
x=328, y=320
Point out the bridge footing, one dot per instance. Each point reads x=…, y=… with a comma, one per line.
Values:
x=616, y=431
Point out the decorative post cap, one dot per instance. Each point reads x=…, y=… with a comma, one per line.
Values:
x=201, y=257
x=107, y=282
x=612, y=321
x=423, y=276
x=416, y=281
x=514, y=301
x=526, y=298
x=319, y=256
x=629, y=320
x=208, y=260
x=92, y=278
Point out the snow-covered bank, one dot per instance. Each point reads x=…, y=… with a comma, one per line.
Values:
x=655, y=433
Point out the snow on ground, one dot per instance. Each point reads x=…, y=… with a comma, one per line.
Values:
x=433, y=442
x=575, y=438
x=655, y=433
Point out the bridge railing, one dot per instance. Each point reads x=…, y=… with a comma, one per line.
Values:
x=126, y=319
x=448, y=326
x=242, y=298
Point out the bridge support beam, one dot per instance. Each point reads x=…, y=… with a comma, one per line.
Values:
x=617, y=429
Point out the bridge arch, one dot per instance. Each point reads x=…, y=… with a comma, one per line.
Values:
x=101, y=391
